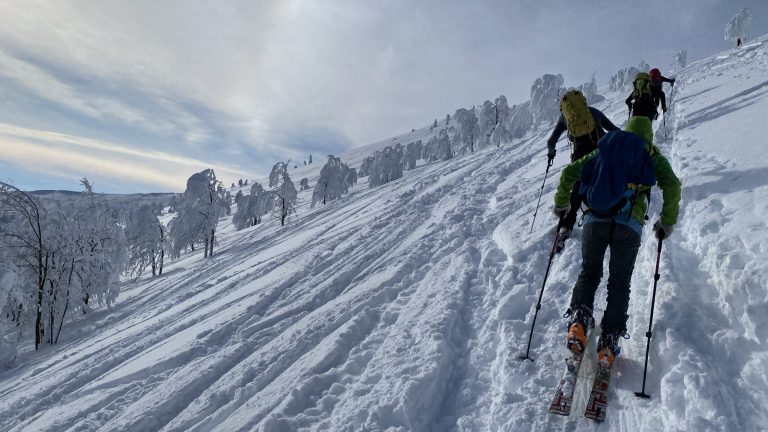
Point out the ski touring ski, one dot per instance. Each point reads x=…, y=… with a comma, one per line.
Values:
x=598, y=400
x=563, y=400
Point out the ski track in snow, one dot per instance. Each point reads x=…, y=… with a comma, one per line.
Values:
x=405, y=307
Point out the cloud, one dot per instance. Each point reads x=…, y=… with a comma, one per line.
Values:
x=66, y=156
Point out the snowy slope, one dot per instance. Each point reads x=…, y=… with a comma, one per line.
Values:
x=404, y=308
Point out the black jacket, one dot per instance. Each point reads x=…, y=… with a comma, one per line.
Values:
x=585, y=144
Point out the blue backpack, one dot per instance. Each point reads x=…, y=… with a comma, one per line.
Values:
x=609, y=180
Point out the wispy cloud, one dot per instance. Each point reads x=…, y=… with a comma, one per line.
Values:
x=67, y=156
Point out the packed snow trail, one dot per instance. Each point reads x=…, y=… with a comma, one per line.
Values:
x=405, y=307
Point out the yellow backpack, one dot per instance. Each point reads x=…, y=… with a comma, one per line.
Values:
x=577, y=116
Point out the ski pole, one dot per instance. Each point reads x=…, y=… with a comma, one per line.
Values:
x=656, y=276
x=549, y=164
x=664, y=119
x=541, y=292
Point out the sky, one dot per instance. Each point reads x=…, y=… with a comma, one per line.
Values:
x=138, y=96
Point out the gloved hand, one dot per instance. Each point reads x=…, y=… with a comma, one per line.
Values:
x=664, y=109
x=672, y=83
x=561, y=212
x=551, y=157
x=662, y=231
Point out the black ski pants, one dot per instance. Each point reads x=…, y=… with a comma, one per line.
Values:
x=624, y=243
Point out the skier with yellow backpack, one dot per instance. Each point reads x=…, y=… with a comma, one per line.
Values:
x=647, y=94
x=585, y=126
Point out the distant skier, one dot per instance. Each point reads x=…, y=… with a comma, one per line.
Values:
x=585, y=126
x=738, y=42
x=647, y=94
x=618, y=225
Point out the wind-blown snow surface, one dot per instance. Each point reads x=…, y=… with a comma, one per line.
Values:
x=405, y=307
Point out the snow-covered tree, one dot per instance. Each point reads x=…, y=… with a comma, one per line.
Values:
x=623, y=79
x=438, y=147
x=332, y=182
x=447, y=119
x=24, y=242
x=145, y=236
x=545, y=98
x=202, y=204
x=351, y=177
x=284, y=203
x=412, y=154
x=64, y=257
x=304, y=184
x=252, y=207
x=520, y=119
x=238, y=196
x=487, y=121
x=501, y=132
x=387, y=166
x=681, y=60
x=589, y=90
x=466, y=136
x=310, y=158
x=365, y=167
x=277, y=173
x=738, y=25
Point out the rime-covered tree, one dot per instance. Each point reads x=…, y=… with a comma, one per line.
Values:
x=304, y=184
x=589, y=90
x=252, y=207
x=738, y=26
x=277, y=173
x=465, y=138
x=412, y=154
x=623, y=79
x=487, y=121
x=681, y=60
x=25, y=241
x=447, y=119
x=65, y=257
x=202, y=204
x=501, y=132
x=365, y=166
x=332, y=182
x=520, y=119
x=545, y=98
x=387, y=166
x=145, y=236
x=284, y=203
x=438, y=147
x=238, y=197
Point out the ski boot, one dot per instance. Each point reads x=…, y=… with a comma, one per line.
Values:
x=581, y=320
x=608, y=348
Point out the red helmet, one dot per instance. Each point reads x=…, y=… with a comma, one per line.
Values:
x=654, y=73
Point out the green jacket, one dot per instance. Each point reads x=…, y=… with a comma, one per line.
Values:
x=665, y=178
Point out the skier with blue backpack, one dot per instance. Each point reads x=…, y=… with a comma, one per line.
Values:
x=615, y=180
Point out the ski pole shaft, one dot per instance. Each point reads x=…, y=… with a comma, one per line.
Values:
x=656, y=276
x=541, y=291
x=664, y=119
x=549, y=164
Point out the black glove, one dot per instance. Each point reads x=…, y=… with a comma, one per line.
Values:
x=664, y=109
x=662, y=231
x=561, y=212
x=672, y=82
x=551, y=157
